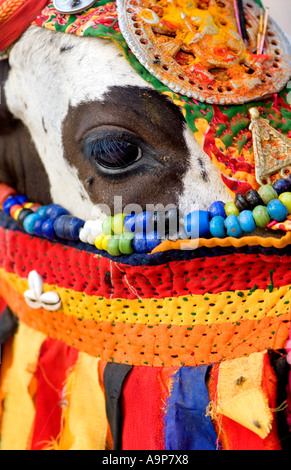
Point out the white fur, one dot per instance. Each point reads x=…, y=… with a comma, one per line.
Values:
x=43, y=83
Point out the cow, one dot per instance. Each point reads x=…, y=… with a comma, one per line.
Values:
x=53, y=121
x=59, y=104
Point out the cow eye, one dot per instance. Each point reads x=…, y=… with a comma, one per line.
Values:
x=112, y=152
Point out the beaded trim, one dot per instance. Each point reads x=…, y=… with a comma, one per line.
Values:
x=122, y=234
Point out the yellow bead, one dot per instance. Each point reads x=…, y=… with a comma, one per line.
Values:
x=117, y=224
x=98, y=241
x=231, y=209
x=285, y=198
x=16, y=213
x=105, y=241
x=27, y=205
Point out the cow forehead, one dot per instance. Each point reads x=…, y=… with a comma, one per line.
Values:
x=85, y=68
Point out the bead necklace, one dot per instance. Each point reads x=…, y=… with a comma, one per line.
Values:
x=143, y=232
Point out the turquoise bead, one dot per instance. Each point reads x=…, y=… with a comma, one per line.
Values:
x=247, y=221
x=28, y=223
x=277, y=210
x=216, y=226
x=232, y=226
x=42, y=211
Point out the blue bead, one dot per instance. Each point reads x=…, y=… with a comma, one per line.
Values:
x=153, y=240
x=197, y=224
x=68, y=227
x=74, y=226
x=281, y=185
x=216, y=226
x=217, y=209
x=232, y=226
x=143, y=221
x=37, y=228
x=129, y=223
x=47, y=229
x=277, y=211
x=22, y=199
x=52, y=209
x=140, y=242
x=29, y=222
x=247, y=221
x=55, y=210
x=42, y=211
x=10, y=202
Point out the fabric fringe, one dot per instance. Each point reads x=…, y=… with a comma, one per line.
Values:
x=84, y=422
x=19, y=410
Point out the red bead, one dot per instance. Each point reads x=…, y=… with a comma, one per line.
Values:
x=15, y=208
x=35, y=207
x=5, y=192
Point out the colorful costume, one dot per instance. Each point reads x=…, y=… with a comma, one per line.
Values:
x=175, y=350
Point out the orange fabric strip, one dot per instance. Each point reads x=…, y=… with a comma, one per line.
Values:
x=154, y=345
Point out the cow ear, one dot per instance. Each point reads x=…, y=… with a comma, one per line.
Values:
x=7, y=121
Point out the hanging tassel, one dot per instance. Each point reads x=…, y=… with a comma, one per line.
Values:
x=240, y=394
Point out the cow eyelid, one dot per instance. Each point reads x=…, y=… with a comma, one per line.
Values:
x=111, y=152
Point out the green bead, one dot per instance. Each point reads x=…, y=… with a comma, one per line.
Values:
x=261, y=216
x=267, y=193
x=125, y=243
x=107, y=226
x=117, y=224
x=231, y=209
x=113, y=246
x=285, y=198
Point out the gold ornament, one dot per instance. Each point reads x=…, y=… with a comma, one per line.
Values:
x=272, y=150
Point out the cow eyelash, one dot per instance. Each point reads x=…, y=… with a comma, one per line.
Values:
x=111, y=152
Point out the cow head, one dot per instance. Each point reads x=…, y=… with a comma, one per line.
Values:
x=81, y=126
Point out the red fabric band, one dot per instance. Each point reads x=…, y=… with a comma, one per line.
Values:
x=13, y=22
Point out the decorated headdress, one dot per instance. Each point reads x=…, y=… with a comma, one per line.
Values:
x=162, y=324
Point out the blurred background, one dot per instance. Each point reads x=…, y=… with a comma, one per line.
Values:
x=280, y=11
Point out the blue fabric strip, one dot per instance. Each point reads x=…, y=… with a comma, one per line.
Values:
x=186, y=425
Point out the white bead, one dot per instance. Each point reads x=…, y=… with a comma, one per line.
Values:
x=31, y=299
x=83, y=234
x=50, y=300
x=35, y=282
x=92, y=235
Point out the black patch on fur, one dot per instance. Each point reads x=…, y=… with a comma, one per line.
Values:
x=155, y=120
x=66, y=49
